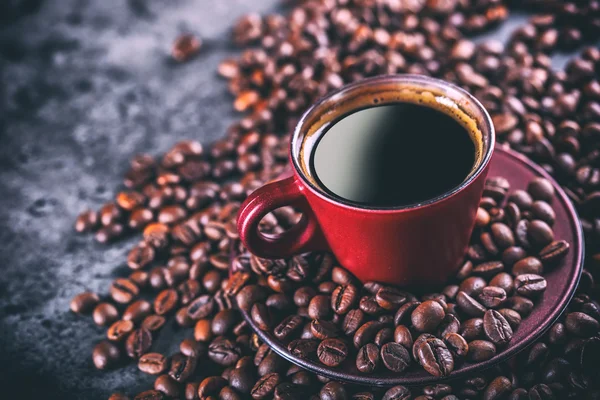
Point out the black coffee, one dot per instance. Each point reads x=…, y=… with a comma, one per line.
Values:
x=392, y=155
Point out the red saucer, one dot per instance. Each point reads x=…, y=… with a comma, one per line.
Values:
x=562, y=282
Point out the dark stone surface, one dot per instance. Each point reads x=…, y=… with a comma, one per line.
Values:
x=85, y=85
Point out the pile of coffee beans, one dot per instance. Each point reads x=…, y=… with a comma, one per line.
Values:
x=321, y=312
x=185, y=203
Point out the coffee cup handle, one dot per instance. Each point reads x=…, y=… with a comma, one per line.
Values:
x=305, y=236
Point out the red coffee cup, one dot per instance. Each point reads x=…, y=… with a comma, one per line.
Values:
x=420, y=244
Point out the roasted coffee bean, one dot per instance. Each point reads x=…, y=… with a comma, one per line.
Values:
x=437, y=390
x=369, y=305
x=279, y=302
x=390, y=298
x=504, y=281
x=202, y=307
x=137, y=311
x=265, y=386
x=435, y=357
x=343, y=298
x=150, y=395
x=242, y=380
x=211, y=386
x=404, y=313
x=153, y=323
x=366, y=333
x=487, y=270
x=520, y=304
x=168, y=386
x=303, y=348
x=223, y=351
x=303, y=296
x=191, y=348
x=105, y=314
x=86, y=221
x=323, y=329
x=84, y=303
x=352, y=321
x=249, y=295
x=496, y=187
x=472, y=286
x=541, y=392
x=367, y=359
x=261, y=316
x=503, y=235
x=224, y=322
x=123, y=291
x=289, y=391
x=384, y=336
x=528, y=265
x=522, y=199
x=540, y=233
x=397, y=393
x=543, y=211
x=106, y=355
x=481, y=350
x=450, y=324
x=511, y=316
x=537, y=354
x=166, y=301
x=138, y=342
x=530, y=285
x=554, y=252
x=271, y=363
x=332, y=352
x=288, y=326
x=152, y=363
x=320, y=307
x=541, y=189
x=140, y=256
x=333, y=391
x=472, y=329
x=395, y=357
x=341, y=276
x=182, y=367
x=469, y=305
x=119, y=330
x=118, y=396
x=456, y=344
x=581, y=324
x=496, y=328
x=492, y=297
x=498, y=388
x=427, y=316
x=420, y=340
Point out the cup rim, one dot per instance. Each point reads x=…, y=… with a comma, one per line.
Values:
x=487, y=130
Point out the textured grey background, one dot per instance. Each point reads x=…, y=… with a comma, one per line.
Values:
x=84, y=86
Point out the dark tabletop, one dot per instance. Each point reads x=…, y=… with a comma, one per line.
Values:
x=84, y=86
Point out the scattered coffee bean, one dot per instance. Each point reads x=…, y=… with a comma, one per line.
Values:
x=106, y=355
x=395, y=357
x=435, y=357
x=368, y=358
x=138, y=343
x=481, y=350
x=105, y=314
x=152, y=363
x=332, y=352
x=496, y=328
x=84, y=303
